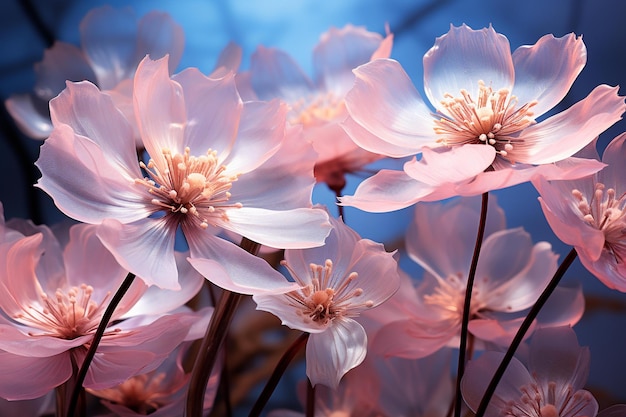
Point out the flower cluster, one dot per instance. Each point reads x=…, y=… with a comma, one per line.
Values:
x=191, y=191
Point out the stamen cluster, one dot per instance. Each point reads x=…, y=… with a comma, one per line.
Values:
x=491, y=119
x=186, y=184
x=605, y=212
x=319, y=302
x=67, y=315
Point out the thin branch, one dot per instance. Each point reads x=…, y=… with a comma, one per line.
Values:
x=519, y=336
x=212, y=342
x=280, y=369
x=106, y=317
x=467, y=304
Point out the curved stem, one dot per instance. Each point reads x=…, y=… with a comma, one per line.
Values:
x=106, y=317
x=212, y=342
x=272, y=382
x=519, y=336
x=468, y=301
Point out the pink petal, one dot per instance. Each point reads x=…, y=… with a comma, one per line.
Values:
x=565, y=307
x=386, y=191
x=517, y=275
x=156, y=300
x=613, y=175
x=31, y=120
x=496, y=331
x=478, y=374
x=297, y=228
x=228, y=61
x=260, y=133
x=128, y=353
x=546, y=70
x=25, y=378
x=329, y=355
x=230, y=267
x=92, y=114
x=160, y=108
x=213, y=111
x=564, y=134
x=386, y=104
x=276, y=74
x=339, y=52
x=338, y=247
x=430, y=241
x=147, y=239
x=450, y=165
x=105, y=190
x=370, y=261
x=506, y=175
x=32, y=342
x=63, y=62
x=412, y=339
x=158, y=35
x=606, y=269
x=19, y=286
x=108, y=37
x=88, y=261
x=463, y=57
x=565, y=221
x=366, y=140
x=555, y=355
x=280, y=306
x=283, y=182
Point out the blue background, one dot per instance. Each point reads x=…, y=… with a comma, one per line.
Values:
x=295, y=26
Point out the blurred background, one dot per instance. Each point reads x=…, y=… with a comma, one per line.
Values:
x=29, y=27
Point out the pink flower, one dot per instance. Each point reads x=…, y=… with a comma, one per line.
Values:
x=204, y=146
x=510, y=275
x=337, y=282
x=550, y=385
x=159, y=393
x=318, y=104
x=483, y=134
x=53, y=304
x=113, y=42
x=590, y=214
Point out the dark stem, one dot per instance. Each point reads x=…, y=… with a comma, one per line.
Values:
x=339, y=207
x=310, y=399
x=467, y=304
x=106, y=317
x=280, y=369
x=63, y=393
x=519, y=336
x=224, y=386
x=212, y=342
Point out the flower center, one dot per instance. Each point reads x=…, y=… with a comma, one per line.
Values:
x=196, y=188
x=449, y=297
x=491, y=119
x=318, y=109
x=606, y=212
x=548, y=401
x=68, y=315
x=320, y=301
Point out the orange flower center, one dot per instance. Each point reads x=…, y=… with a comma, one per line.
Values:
x=67, y=315
x=318, y=109
x=490, y=119
x=196, y=187
x=319, y=301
